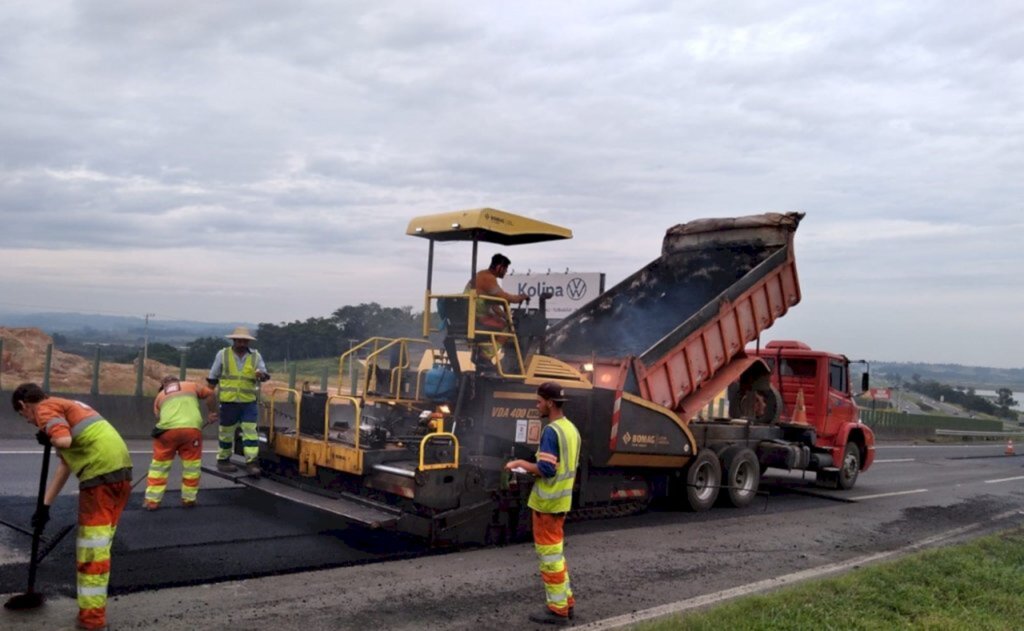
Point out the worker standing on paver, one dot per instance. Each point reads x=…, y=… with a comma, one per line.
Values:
x=550, y=500
x=490, y=314
x=179, y=430
x=237, y=372
x=89, y=446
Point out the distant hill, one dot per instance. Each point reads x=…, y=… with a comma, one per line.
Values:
x=978, y=377
x=110, y=329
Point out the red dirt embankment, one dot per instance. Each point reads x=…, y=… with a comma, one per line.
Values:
x=24, y=359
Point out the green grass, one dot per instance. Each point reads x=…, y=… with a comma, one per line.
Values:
x=978, y=585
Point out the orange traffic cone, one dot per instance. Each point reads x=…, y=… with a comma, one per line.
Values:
x=800, y=410
x=1009, y=447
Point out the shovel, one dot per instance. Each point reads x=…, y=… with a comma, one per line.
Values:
x=32, y=599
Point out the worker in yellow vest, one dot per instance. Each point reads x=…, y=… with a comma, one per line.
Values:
x=89, y=446
x=550, y=499
x=237, y=372
x=179, y=430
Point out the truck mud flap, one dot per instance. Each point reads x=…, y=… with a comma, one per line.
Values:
x=351, y=508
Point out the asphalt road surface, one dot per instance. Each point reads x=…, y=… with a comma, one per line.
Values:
x=242, y=560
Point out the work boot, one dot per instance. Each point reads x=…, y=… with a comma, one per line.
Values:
x=192, y=504
x=549, y=617
x=253, y=468
x=225, y=466
x=150, y=506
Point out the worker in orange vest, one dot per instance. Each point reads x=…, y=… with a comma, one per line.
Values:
x=90, y=446
x=179, y=430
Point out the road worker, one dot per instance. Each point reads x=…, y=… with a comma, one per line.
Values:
x=550, y=500
x=237, y=372
x=491, y=315
x=178, y=431
x=88, y=445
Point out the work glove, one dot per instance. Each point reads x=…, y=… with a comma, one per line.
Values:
x=262, y=376
x=40, y=517
x=43, y=438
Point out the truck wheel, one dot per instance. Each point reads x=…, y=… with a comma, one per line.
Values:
x=849, y=467
x=703, y=477
x=742, y=477
x=761, y=406
x=770, y=406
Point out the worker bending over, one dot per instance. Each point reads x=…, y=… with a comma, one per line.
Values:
x=90, y=446
x=179, y=430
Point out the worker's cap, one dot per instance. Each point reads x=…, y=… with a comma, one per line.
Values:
x=241, y=333
x=552, y=392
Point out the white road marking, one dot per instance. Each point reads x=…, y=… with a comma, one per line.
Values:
x=896, y=460
x=893, y=494
x=1019, y=477
x=781, y=581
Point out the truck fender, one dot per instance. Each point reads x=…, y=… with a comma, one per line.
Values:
x=862, y=436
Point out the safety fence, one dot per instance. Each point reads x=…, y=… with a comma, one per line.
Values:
x=891, y=424
x=58, y=371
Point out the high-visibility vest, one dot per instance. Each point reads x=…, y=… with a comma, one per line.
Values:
x=554, y=494
x=178, y=407
x=234, y=386
x=97, y=451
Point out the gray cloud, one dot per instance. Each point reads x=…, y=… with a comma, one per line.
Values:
x=303, y=137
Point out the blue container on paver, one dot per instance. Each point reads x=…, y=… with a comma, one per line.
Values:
x=440, y=383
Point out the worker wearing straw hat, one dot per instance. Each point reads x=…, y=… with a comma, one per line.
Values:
x=237, y=372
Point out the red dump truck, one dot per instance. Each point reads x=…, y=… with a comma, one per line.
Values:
x=420, y=447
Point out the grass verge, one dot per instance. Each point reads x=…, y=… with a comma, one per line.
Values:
x=977, y=585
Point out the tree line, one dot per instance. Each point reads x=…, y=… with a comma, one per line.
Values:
x=316, y=337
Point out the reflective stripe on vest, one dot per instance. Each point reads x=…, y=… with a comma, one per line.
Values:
x=554, y=494
x=234, y=386
x=96, y=450
x=85, y=422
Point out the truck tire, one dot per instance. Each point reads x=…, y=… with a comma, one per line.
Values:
x=849, y=467
x=772, y=406
x=703, y=478
x=742, y=477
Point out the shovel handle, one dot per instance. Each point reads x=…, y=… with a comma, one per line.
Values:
x=37, y=532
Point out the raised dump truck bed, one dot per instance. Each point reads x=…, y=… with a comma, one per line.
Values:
x=683, y=317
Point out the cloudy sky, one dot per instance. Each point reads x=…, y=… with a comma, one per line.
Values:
x=259, y=160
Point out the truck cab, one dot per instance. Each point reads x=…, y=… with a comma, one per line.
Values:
x=815, y=389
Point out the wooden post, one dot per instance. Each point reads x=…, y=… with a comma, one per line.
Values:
x=1, y=363
x=323, y=379
x=138, y=377
x=46, y=368
x=94, y=389
x=181, y=369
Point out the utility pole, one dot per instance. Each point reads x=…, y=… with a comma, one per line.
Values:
x=145, y=340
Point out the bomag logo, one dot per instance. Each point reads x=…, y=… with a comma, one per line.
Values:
x=641, y=440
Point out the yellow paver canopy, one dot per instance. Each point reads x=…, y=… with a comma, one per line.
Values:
x=485, y=224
